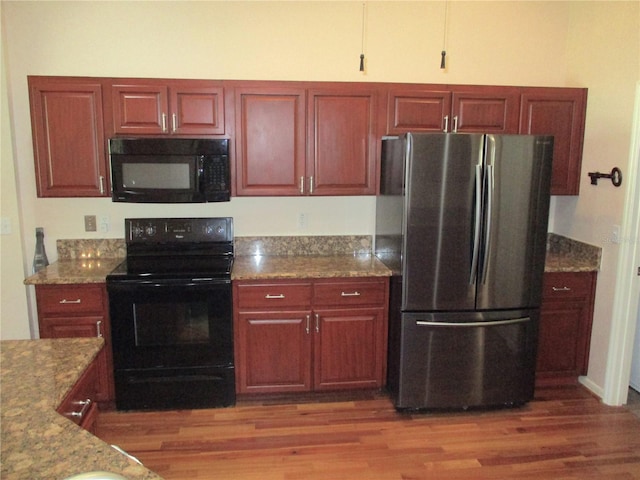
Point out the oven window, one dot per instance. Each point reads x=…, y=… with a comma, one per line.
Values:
x=171, y=323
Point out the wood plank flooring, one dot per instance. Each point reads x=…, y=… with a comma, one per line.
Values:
x=565, y=433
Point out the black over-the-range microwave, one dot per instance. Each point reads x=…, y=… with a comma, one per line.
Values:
x=169, y=170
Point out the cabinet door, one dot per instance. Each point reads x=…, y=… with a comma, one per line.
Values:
x=68, y=137
x=196, y=110
x=348, y=349
x=342, y=143
x=79, y=405
x=559, y=112
x=273, y=352
x=418, y=110
x=140, y=109
x=66, y=311
x=565, y=326
x=270, y=141
x=485, y=109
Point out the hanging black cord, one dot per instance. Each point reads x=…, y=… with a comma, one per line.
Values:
x=362, y=44
x=443, y=54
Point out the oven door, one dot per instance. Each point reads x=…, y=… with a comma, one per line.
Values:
x=171, y=323
x=172, y=344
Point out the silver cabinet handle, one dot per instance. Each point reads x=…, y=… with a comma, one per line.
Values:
x=350, y=294
x=311, y=184
x=446, y=123
x=317, y=323
x=85, y=404
x=307, y=327
x=301, y=184
x=65, y=301
x=99, y=328
x=268, y=295
x=101, y=179
x=455, y=124
x=561, y=289
x=164, y=122
x=174, y=122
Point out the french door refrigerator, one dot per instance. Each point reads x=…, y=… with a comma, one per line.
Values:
x=461, y=219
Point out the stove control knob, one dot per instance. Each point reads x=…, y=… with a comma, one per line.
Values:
x=137, y=231
x=150, y=230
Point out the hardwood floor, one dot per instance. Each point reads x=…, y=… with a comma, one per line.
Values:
x=564, y=434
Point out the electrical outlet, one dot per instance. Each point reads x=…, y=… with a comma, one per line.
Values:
x=302, y=221
x=90, y=223
x=5, y=226
x=615, y=234
x=103, y=223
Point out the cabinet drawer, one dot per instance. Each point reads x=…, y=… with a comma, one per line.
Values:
x=560, y=285
x=349, y=293
x=79, y=405
x=273, y=295
x=70, y=299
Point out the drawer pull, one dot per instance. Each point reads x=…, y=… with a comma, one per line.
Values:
x=85, y=404
x=64, y=301
x=561, y=289
x=350, y=294
x=99, y=328
x=268, y=295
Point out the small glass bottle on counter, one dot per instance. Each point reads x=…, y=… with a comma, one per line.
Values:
x=40, y=259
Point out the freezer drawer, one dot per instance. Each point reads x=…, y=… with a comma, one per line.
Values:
x=465, y=360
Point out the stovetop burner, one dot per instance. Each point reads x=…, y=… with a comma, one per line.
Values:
x=165, y=248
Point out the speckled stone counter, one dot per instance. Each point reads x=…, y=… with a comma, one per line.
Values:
x=74, y=271
x=37, y=442
x=308, y=266
x=83, y=261
x=568, y=255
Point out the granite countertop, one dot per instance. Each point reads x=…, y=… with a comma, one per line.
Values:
x=568, y=255
x=75, y=271
x=38, y=442
x=307, y=266
x=287, y=257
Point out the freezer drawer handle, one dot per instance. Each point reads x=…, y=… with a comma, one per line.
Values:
x=350, y=294
x=268, y=295
x=423, y=323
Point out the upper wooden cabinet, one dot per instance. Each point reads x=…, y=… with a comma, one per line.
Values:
x=292, y=140
x=559, y=112
x=184, y=107
x=460, y=108
x=270, y=140
x=289, y=138
x=68, y=137
x=342, y=140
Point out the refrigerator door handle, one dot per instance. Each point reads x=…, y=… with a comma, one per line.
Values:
x=477, y=224
x=497, y=323
x=491, y=160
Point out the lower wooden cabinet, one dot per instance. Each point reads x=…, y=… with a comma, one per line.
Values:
x=79, y=310
x=80, y=405
x=315, y=335
x=565, y=327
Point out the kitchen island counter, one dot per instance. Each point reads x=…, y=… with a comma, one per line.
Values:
x=38, y=442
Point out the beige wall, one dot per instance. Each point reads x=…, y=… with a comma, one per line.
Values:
x=517, y=42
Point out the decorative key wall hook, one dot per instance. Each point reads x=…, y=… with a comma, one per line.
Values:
x=615, y=176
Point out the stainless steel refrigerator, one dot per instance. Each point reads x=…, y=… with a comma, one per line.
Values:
x=461, y=219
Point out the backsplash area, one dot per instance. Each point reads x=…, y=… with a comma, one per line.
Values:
x=79, y=249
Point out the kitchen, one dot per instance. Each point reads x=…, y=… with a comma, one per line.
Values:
x=558, y=44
